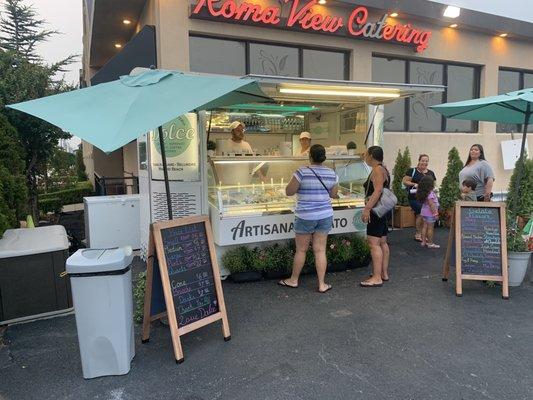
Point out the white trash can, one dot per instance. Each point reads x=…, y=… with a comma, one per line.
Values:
x=103, y=303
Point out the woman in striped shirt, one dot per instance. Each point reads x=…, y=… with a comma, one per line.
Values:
x=314, y=186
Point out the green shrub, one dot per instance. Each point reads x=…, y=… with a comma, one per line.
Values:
x=361, y=250
x=274, y=258
x=240, y=259
x=402, y=164
x=450, y=190
x=54, y=201
x=339, y=249
x=515, y=241
x=522, y=205
x=138, y=297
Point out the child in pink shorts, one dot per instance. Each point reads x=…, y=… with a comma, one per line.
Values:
x=430, y=209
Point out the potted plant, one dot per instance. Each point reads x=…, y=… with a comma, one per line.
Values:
x=211, y=147
x=351, y=146
x=450, y=190
x=522, y=205
x=361, y=252
x=517, y=257
x=241, y=263
x=275, y=262
x=404, y=216
x=339, y=253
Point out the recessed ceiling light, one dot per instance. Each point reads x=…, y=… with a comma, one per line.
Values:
x=118, y=45
x=453, y=26
x=394, y=14
x=452, y=12
x=321, y=1
x=126, y=21
x=503, y=34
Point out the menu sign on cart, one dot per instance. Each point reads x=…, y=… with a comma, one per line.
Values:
x=478, y=239
x=188, y=276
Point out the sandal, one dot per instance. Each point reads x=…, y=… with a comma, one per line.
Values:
x=418, y=237
x=284, y=283
x=433, y=246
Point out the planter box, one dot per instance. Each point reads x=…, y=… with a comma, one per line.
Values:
x=359, y=263
x=403, y=217
x=518, y=263
x=276, y=274
x=246, y=276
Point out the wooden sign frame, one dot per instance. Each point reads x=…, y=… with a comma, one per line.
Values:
x=455, y=234
x=155, y=249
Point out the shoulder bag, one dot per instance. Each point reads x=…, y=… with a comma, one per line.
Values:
x=386, y=201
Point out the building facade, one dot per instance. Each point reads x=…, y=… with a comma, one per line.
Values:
x=473, y=55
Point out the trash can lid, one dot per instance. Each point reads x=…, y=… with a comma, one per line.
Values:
x=99, y=260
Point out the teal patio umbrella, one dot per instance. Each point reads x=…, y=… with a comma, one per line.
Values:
x=112, y=114
x=512, y=108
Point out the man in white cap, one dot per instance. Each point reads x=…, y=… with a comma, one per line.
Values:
x=305, y=143
x=237, y=144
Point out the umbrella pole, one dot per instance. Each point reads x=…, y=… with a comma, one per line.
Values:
x=521, y=160
x=165, y=171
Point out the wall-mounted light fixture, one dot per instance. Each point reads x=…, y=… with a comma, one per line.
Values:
x=452, y=12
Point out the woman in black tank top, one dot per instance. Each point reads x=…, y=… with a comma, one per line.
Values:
x=376, y=230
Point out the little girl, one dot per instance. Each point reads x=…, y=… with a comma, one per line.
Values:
x=430, y=209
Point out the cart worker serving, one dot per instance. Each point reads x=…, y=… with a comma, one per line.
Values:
x=305, y=143
x=237, y=144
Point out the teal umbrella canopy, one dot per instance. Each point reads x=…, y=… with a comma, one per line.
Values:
x=512, y=108
x=110, y=115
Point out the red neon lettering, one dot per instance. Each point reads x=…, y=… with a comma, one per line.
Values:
x=359, y=16
x=388, y=32
x=298, y=16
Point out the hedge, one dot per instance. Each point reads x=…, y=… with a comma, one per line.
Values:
x=54, y=201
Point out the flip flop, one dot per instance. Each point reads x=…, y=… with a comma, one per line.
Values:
x=285, y=284
x=418, y=238
x=370, y=285
x=384, y=280
x=325, y=290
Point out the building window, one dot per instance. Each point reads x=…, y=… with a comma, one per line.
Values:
x=274, y=60
x=217, y=56
x=510, y=80
x=414, y=114
x=238, y=57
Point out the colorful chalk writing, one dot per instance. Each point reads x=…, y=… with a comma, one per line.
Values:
x=481, y=252
x=190, y=272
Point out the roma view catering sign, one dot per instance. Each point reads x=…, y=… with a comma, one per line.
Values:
x=304, y=15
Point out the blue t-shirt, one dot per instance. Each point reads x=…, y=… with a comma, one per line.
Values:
x=313, y=202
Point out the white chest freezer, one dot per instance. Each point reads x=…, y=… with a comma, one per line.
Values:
x=112, y=221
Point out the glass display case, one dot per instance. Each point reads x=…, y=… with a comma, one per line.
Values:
x=255, y=185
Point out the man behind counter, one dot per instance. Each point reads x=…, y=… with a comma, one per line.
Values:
x=237, y=144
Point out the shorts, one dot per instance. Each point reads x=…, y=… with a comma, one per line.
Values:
x=430, y=220
x=416, y=206
x=377, y=226
x=306, y=227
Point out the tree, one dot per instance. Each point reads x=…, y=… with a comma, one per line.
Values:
x=522, y=205
x=21, y=31
x=80, y=165
x=13, y=191
x=450, y=190
x=23, y=76
x=402, y=164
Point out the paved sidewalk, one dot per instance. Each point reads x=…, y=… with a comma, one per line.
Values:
x=411, y=339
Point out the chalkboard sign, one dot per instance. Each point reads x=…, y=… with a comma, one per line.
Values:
x=190, y=272
x=480, y=244
x=188, y=276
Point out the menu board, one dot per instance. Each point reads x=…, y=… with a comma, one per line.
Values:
x=478, y=243
x=190, y=272
x=183, y=279
x=481, y=245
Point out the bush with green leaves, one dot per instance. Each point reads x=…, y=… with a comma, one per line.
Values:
x=450, y=190
x=277, y=257
x=361, y=250
x=402, y=164
x=520, y=203
x=240, y=259
x=515, y=241
x=138, y=297
x=54, y=201
x=339, y=249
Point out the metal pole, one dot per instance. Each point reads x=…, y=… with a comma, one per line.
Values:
x=521, y=160
x=165, y=171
